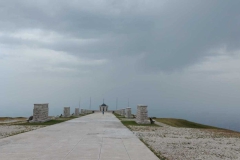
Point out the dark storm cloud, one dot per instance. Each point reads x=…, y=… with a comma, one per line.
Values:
x=169, y=34
x=175, y=56
x=187, y=32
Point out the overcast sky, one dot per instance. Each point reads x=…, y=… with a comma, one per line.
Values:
x=181, y=58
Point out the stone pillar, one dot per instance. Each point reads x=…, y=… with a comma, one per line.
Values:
x=66, y=112
x=123, y=112
x=120, y=112
x=76, y=112
x=142, y=114
x=40, y=113
x=128, y=113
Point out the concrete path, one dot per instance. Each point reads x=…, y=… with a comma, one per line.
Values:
x=92, y=137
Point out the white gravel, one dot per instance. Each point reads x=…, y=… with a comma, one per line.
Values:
x=191, y=144
x=9, y=130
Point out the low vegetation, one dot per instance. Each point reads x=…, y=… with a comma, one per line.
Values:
x=11, y=118
x=131, y=122
x=183, y=123
x=51, y=122
x=23, y=120
x=118, y=116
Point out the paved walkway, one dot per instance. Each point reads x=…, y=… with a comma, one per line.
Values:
x=92, y=137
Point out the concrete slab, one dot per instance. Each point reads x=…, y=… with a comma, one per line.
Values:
x=92, y=137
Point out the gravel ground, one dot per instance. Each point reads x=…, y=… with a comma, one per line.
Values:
x=8, y=130
x=191, y=144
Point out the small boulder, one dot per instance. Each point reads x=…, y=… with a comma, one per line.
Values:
x=30, y=118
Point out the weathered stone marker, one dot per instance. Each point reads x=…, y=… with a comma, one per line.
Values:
x=76, y=111
x=66, y=112
x=128, y=113
x=123, y=112
x=142, y=114
x=40, y=113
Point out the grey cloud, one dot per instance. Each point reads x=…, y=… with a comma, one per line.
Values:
x=188, y=31
x=177, y=35
x=145, y=46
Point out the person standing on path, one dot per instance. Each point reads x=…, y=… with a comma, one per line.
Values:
x=103, y=111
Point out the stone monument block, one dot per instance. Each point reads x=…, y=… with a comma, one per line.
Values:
x=142, y=115
x=77, y=112
x=40, y=113
x=123, y=112
x=66, y=112
x=128, y=113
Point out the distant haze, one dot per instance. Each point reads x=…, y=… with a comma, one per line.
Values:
x=181, y=58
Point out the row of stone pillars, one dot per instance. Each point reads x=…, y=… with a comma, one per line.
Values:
x=125, y=112
x=141, y=116
x=40, y=113
x=66, y=112
x=86, y=111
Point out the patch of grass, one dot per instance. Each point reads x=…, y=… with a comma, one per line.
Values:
x=51, y=122
x=5, y=118
x=118, y=116
x=11, y=120
x=66, y=118
x=133, y=123
x=183, y=123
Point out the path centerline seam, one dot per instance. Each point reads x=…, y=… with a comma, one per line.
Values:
x=99, y=156
x=73, y=148
x=126, y=149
